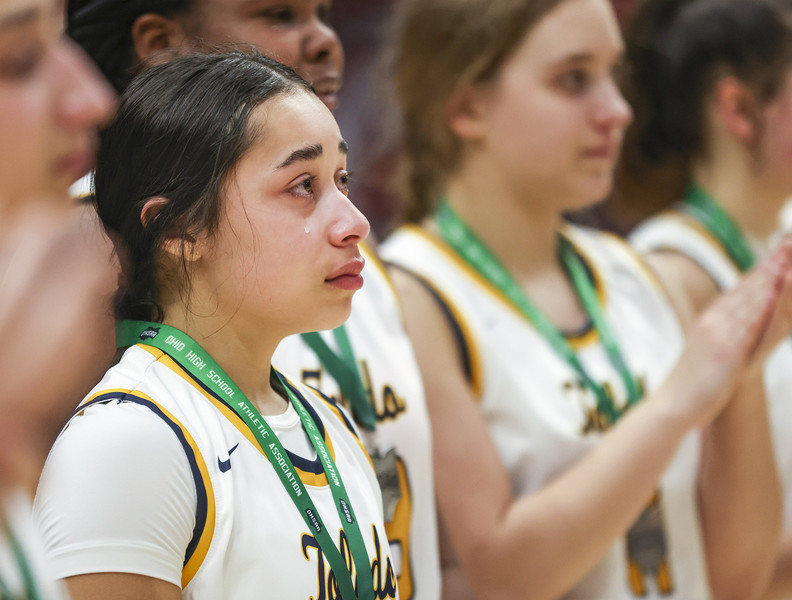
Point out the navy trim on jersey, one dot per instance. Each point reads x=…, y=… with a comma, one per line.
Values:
x=456, y=329
x=337, y=407
x=313, y=466
x=200, y=488
x=589, y=324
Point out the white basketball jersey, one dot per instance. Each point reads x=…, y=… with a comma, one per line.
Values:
x=676, y=231
x=542, y=419
x=400, y=446
x=22, y=553
x=250, y=541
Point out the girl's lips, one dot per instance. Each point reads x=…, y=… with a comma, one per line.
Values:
x=330, y=100
x=346, y=282
x=327, y=90
x=605, y=151
x=348, y=276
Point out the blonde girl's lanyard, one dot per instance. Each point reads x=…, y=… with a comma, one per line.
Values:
x=343, y=368
x=200, y=365
x=25, y=571
x=459, y=236
x=702, y=207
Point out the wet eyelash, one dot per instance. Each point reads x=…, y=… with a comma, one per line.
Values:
x=344, y=181
x=304, y=187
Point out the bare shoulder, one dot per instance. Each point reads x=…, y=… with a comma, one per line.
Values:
x=425, y=321
x=689, y=287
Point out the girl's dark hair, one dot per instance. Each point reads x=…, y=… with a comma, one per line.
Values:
x=676, y=50
x=438, y=45
x=181, y=128
x=104, y=30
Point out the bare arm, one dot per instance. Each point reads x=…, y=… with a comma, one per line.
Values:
x=740, y=496
x=561, y=531
x=739, y=491
x=455, y=584
x=120, y=586
x=781, y=581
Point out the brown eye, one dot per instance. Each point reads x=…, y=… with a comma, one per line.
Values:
x=21, y=63
x=323, y=12
x=342, y=182
x=304, y=188
x=574, y=81
x=281, y=14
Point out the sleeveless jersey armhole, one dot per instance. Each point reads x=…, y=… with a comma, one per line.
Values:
x=467, y=351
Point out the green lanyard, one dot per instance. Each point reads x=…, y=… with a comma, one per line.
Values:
x=31, y=589
x=706, y=211
x=345, y=371
x=457, y=234
x=200, y=365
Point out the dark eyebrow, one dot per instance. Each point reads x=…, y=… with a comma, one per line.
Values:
x=308, y=153
x=575, y=59
x=19, y=19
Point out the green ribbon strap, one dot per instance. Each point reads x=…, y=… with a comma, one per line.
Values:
x=25, y=570
x=702, y=207
x=344, y=370
x=462, y=239
x=189, y=354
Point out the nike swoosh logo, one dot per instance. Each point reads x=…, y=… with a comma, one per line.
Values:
x=225, y=465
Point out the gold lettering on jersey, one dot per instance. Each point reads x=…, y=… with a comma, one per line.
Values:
x=593, y=420
x=312, y=377
x=382, y=574
x=388, y=405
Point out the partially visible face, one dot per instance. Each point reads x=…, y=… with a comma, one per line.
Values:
x=286, y=250
x=554, y=118
x=775, y=151
x=294, y=32
x=51, y=101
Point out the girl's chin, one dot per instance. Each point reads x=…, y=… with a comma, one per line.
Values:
x=329, y=320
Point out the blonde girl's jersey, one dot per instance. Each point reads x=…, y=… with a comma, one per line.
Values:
x=155, y=475
x=542, y=419
x=24, y=571
x=676, y=231
x=400, y=446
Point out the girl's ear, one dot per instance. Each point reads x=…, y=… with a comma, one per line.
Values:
x=157, y=38
x=736, y=108
x=464, y=112
x=180, y=247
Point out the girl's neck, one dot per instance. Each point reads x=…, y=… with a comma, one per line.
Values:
x=744, y=195
x=243, y=352
x=520, y=233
